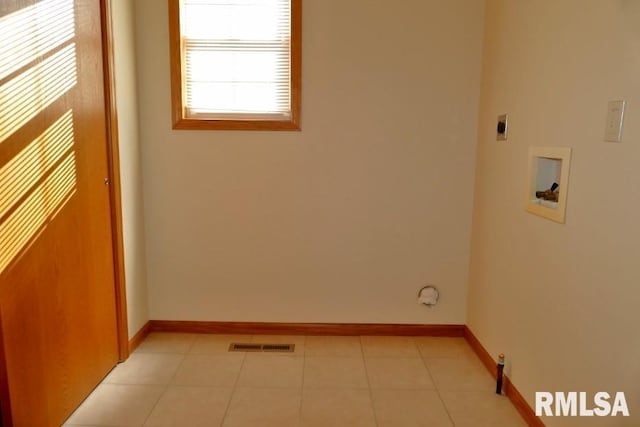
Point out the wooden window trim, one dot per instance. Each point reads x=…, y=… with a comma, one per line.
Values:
x=177, y=99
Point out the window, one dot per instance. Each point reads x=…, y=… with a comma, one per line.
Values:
x=235, y=64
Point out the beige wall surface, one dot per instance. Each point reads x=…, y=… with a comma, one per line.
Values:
x=561, y=301
x=130, y=164
x=345, y=220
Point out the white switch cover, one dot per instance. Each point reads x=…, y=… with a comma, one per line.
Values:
x=615, y=117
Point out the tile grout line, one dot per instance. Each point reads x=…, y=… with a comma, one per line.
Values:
x=193, y=343
x=304, y=364
x=366, y=373
x=166, y=386
x=436, y=388
x=235, y=384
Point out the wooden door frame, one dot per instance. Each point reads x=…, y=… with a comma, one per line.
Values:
x=113, y=156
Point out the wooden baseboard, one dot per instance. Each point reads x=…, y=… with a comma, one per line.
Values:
x=508, y=388
x=306, y=328
x=139, y=337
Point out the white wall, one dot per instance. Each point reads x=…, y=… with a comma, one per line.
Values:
x=130, y=164
x=561, y=301
x=344, y=221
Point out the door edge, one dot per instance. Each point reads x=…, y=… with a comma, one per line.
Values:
x=113, y=156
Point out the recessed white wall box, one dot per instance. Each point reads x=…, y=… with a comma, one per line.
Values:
x=548, y=182
x=501, y=128
x=615, y=117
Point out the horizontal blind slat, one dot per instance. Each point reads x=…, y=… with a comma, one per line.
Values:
x=242, y=64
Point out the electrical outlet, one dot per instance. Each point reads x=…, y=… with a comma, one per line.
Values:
x=501, y=129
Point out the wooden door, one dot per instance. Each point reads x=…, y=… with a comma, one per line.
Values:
x=57, y=293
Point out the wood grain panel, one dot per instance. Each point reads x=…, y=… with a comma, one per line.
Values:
x=57, y=294
x=306, y=328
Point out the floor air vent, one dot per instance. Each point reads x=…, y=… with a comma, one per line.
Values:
x=270, y=348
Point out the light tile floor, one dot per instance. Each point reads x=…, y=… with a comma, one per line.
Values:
x=191, y=380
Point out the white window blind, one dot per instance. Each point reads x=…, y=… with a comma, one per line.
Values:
x=237, y=59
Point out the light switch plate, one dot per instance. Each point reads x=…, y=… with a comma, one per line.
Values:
x=615, y=119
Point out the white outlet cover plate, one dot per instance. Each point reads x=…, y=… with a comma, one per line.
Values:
x=615, y=119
